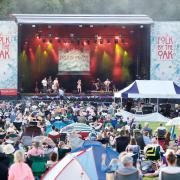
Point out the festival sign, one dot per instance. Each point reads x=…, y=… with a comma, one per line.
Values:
x=74, y=60
x=165, y=51
x=8, y=58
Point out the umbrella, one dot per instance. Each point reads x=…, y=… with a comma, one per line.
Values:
x=173, y=122
x=78, y=127
x=59, y=124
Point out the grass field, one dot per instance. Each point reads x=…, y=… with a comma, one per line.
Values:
x=154, y=126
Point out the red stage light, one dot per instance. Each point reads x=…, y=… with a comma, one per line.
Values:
x=56, y=38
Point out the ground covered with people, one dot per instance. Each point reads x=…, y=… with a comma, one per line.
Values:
x=66, y=140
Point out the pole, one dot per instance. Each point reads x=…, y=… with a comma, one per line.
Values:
x=157, y=105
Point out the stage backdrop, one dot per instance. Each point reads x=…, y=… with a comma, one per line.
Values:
x=165, y=51
x=74, y=61
x=8, y=58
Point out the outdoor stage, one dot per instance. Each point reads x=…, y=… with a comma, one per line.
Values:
x=82, y=47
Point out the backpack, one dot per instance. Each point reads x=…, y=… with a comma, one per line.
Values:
x=161, y=133
x=153, y=153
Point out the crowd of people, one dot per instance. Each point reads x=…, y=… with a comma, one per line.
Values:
x=28, y=132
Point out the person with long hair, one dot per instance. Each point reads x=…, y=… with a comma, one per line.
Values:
x=20, y=170
x=79, y=88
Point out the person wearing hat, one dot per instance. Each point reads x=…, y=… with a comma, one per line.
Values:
x=9, y=150
x=4, y=164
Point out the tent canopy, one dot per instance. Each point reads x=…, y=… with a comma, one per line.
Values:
x=82, y=165
x=150, y=89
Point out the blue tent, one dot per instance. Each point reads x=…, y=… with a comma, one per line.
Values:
x=98, y=149
x=80, y=165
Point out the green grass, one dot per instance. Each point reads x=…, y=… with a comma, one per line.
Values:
x=154, y=126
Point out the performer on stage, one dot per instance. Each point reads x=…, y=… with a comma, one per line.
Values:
x=98, y=84
x=107, y=83
x=79, y=86
x=55, y=85
x=36, y=88
x=44, y=84
x=49, y=84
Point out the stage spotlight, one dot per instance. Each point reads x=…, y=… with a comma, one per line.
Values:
x=49, y=35
x=38, y=36
x=91, y=26
x=71, y=35
x=80, y=25
x=84, y=43
x=26, y=42
x=33, y=25
x=141, y=26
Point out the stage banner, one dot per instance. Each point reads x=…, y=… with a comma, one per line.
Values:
x=8, y=57
x=165, y=51
x=74, y=60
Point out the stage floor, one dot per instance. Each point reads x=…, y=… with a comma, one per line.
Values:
x=93, y=96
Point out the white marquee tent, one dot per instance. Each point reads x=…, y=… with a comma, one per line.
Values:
x=150, y=89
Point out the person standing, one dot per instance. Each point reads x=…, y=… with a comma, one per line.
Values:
x=79, y=89
x=107, y=83
x=49, y=84
x=55, y=86
x=44, y=84
x=20, y=170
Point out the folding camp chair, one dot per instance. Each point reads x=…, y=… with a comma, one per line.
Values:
x=38, y=165
x=17, y=125
x=167, y=176
x=132, y=176
x=55, y=138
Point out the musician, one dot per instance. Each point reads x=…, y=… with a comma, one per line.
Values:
x=107, y=83
x=44, y=84
x=49, y=84
x=36, y=88
x=55, y=85
x=79, y=86
x=61, y=93
x=98, y=84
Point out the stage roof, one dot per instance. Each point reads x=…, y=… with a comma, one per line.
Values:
x=81, y=19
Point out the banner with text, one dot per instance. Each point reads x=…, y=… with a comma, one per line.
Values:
x=165, y=51
x=8, y=57
x=74, y=61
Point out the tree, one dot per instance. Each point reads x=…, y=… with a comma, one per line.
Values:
x=7, y=7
